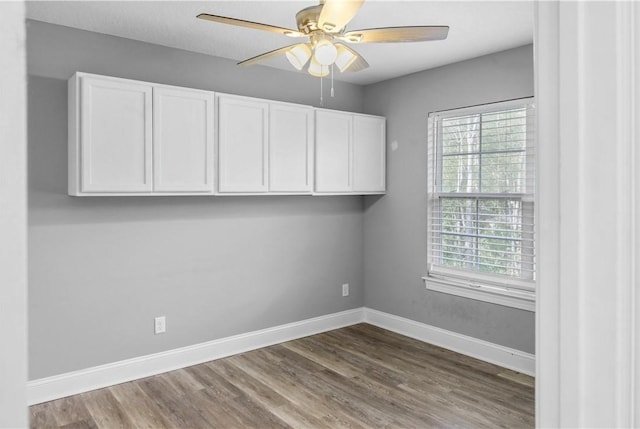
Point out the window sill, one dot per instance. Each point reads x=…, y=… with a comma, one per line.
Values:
x=505, y=297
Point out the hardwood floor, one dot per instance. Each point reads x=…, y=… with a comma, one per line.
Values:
x=356, y=377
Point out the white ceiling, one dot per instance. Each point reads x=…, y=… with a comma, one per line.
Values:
x=476, y=28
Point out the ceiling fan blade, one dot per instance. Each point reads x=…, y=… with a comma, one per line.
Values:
x=335, y=14
x=258, y=58
x=250, y=24
x=356, y=64
x=396, y=34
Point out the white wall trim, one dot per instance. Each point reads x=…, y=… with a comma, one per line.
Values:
x=71, y=383
x=479, y=349
x=546, y=63
x=13, y=216
x=587, y=93
x=480, y=292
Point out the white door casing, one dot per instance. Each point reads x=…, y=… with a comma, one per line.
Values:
x=587, y=86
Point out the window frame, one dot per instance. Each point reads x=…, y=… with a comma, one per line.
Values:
x=499, y=289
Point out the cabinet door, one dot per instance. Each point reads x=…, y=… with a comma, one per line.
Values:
x=290, y=146
x=242, y=145
x=368, y=154
x=115, y=136
x=182, y=140
x=333, y=152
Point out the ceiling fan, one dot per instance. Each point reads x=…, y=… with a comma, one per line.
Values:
x=324, y=26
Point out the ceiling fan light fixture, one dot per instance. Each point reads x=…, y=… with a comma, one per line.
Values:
x=299, y=55
x=345, y=58
x=316, y=69
x=325, y=52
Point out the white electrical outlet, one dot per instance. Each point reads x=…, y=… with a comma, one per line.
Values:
x=160, y=325
x=345, y=289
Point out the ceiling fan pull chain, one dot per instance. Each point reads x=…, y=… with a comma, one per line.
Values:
x=332, y=94
x=321, y=79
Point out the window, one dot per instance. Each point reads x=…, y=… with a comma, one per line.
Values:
x=481, y=235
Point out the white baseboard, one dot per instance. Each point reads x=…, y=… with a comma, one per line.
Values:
x=479, y=349
x=71, y=383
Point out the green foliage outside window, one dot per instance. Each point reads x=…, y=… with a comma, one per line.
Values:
x=484, y=213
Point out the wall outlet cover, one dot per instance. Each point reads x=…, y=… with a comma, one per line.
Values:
x=160, y=325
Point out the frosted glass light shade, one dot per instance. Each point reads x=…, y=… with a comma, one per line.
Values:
x=345, y=58
x=316, y=69
x=298, y=55
x=325, y=52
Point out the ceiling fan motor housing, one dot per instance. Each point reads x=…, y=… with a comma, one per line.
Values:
x=307, y=19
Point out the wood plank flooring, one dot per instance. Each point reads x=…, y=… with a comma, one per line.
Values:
x=356, y=377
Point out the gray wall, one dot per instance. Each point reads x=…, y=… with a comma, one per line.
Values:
x=56, y=51
x=395, y=226
x=101, y=268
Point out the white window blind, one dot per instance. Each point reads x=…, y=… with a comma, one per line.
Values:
x=481, y=197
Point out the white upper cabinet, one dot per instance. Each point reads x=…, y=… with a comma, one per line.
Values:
x=350, y=153
x=264, y=146
x=290, y=148
x=242, y=144
x=333, y=151
x=136, y=138
x=182, y=140
x=114, y=136
x=368, y=154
